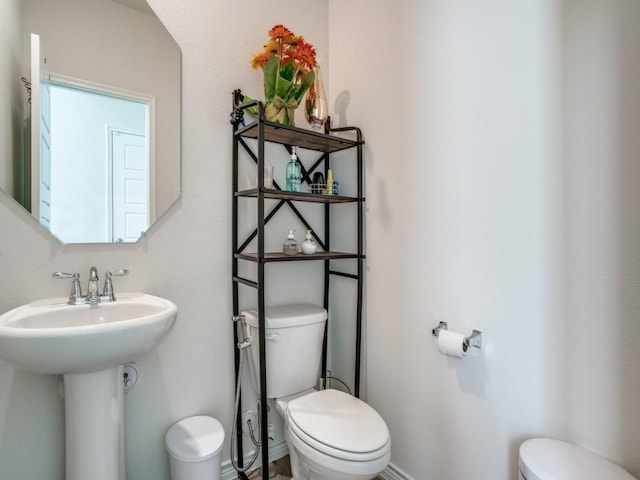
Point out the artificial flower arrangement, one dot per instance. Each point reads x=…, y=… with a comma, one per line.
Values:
x=287, y=62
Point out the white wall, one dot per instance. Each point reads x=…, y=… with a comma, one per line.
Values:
x=185, y=256
x=500, y=165
x=601, y=228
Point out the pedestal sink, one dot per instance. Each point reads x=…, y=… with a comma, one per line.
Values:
x=87, y=345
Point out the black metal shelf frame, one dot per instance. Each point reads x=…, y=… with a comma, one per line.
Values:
x=327, y=143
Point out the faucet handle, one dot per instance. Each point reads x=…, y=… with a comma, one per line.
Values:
x=107, y=291
x=118, y=273
x=76, y=289
x=61, y=275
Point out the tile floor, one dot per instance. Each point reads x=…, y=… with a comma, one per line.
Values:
x=279, y=470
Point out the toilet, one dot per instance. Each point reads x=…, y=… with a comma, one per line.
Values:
x=331, y=435
x=194, y=446
x=549, y=459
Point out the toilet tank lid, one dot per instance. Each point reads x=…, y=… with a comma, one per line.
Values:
x=195, y=438
x=284, y=316
x=549, y=459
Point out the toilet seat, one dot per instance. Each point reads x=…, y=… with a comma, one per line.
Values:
x=337, y=424
x=549, y=459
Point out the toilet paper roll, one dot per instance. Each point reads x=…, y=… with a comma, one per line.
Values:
x=452, y=343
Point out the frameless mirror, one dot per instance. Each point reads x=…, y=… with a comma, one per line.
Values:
x=91, y=141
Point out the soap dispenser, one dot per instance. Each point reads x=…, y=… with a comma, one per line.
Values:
x=290, y=246
x=294, y=173
x=309, y=246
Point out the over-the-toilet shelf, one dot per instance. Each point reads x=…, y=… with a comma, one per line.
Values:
x=331, y=141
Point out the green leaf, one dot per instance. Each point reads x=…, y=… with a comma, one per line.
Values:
x=283, y=87
x=286, y=71
x=248, y=99
x=270, y=72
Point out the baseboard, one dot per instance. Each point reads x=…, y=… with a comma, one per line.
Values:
x=276, y=451
x=394, y=473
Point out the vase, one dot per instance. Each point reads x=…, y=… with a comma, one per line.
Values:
x=316, y=103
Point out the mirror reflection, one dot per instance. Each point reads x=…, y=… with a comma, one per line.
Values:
x=93, y=150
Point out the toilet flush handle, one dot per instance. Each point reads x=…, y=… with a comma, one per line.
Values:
x=272, y=337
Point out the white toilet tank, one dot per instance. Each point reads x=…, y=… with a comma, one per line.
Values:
x=294, y=336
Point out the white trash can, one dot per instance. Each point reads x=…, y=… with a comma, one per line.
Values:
x=194, y=446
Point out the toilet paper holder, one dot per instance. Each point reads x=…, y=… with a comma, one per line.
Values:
x=473, y=340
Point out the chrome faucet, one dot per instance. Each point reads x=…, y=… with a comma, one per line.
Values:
x=93, y=296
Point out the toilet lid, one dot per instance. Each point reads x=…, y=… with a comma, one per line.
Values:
x=340, y=421
x=548, y=459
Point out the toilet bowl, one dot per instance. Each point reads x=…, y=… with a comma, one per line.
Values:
x=330, y=435
x=334, y=436
x=549, y=459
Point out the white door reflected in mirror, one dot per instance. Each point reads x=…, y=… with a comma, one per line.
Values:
x=129, y=197
x=100, y=166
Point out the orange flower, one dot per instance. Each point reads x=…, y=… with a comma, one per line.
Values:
x=288, y=47
x=305, y=54
x=259, y=59
x=280, y=32
x=272, y=47
x=294, y=40
x=287, y=63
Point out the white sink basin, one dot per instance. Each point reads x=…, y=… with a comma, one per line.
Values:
x=49, y=336
x=87, y=345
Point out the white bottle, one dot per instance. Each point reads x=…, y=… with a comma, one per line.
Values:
x=309, y=246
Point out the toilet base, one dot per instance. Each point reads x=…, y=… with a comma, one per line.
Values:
x=308, y=463
x=309, y=470
x=305, y=467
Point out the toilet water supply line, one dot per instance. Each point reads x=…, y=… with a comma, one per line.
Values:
x=244, y=342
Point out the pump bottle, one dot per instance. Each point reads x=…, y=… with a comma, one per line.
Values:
x=290, y=246
x=309, y=246
x=294, y=173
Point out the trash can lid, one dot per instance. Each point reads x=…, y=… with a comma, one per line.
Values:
x=195, y=438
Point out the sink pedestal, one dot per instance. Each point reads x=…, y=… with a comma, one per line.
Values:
x=87, y=344
x=94, y=416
